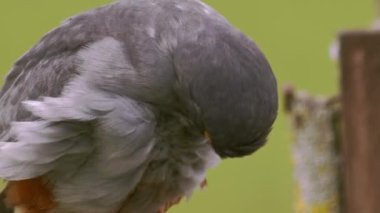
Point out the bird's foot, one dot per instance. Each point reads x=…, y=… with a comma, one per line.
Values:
x=168, y=205
x=204, y=184
x=30, y=196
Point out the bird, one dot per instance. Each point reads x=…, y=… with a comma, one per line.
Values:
x=124, y=108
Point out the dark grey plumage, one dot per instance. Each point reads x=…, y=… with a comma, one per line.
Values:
x=130, y=89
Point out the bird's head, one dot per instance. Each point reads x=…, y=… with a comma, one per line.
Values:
x=234, y=90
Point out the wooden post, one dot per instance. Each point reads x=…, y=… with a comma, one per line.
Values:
x=316, y=156
x=360, y=88
x=376, y=23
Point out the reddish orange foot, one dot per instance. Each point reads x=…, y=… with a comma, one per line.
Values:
x=30, y=196
x=204, y=184
x=167, y=206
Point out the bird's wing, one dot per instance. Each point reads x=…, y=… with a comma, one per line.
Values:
x=86, y=138
x=64, y=123
x=46, y=68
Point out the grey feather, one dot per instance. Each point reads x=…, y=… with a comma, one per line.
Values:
x=111, y=106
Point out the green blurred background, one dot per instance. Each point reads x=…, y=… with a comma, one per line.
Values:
x=294, y=34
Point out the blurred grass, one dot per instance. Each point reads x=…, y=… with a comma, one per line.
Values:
x=295, y=35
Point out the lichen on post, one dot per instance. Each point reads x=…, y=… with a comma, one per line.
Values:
x=315, y=151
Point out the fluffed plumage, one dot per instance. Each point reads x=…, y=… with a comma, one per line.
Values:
x=109, y=110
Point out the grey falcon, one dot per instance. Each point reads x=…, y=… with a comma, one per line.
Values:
x=125, y=107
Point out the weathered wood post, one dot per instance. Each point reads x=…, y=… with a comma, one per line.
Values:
x=315, y=151
x=360, y=89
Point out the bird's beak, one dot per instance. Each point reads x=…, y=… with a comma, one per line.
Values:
x=206, y=135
